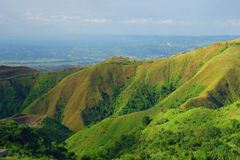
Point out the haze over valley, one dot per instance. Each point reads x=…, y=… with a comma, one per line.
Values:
x=55, y=54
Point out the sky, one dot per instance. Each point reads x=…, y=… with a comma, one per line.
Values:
x=66, y=18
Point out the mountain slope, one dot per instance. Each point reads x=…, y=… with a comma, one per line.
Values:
x=20, y=89
x=7, y=72
x=220, y=73
x=198, y=106
x=120, y=86
x=175, y=134
x=82, y=90
x=170, y=74
x=182, y=107
x=13, y=93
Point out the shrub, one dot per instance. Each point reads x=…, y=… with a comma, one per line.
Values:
x=23, y=141
x=144, y=97
x=146, y=120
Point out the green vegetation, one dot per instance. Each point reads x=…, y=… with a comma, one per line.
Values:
x=20, y=91
x=197, y=133
x=53, y=131
x=170, y=124
x=13, y=92
x=102, y=109
x=185, y=95
x=197, y=78
x=89, y=91
x=146, y=120
x=43, y=84
x=101, y=138
x=181, y=107
x=123, y=144
x=144, y=97
x=23, y=141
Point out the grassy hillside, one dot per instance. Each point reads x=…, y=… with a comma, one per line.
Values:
x=189, y=107
x=182, y=107
x=13, y=93
x=198, y=133
x=120, y=86
x=73, y=97
x=213, y=85
x=20, y=90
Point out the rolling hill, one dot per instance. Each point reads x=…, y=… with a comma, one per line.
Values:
x=83, y=89
x=197, y=133
x=196, y=115
x=21, y=86
x=120, y=86
x=181, y=107
x=7, y=72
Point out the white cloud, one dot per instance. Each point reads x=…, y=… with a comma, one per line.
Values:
x=232, y=23
x=36, y=17
x=149, y=21
x=28, y=13
x=167, y=22
x=139, y=21
x=64, y=18
x=98, y=21
x=80, y=20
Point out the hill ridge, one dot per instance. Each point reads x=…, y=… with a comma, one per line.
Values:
x=89, y=92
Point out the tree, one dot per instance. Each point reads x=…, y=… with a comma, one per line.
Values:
x=146, y=120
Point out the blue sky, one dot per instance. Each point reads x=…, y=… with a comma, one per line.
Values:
x=62, y=18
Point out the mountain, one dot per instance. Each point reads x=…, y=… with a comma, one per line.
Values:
x=81, y=90
x=20, y=86
x=119, y=86
x=7, y=72
x=197, y=119
x=197, y=133
x=181, y=107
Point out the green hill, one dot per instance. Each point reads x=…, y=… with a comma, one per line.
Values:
x=90, y=87
x=181, y=107
x=19, y=90
x=120, y=86
x=195, y=116
x=198, y=133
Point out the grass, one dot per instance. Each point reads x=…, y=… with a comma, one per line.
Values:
x=182, y=107
x=13, y=92
x=100, y=136
x=20, y=91
x=83, y=90
x=183, y=124
x=97, y=139
x=184, y=80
